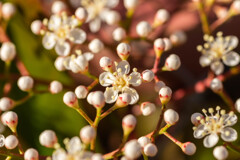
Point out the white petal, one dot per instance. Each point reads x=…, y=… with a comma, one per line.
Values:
x=231, y=59
x=88, y=55
x=205, y=60
x=211, y=140
x=229, y=134
x=54, y=23
x=232, y=42
x=95, y=25
x=49, y=40
x=62, y=48
x=217, y=67
x=133, y=93
x=135, y=79
x=110, y=95
x=106, y=79
x=199, y=132
x=82, y=62
x=112, y=3
x=124, y=67
x=229, y=121
x=77, y=35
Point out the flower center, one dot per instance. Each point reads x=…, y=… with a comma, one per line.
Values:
x=120, y=82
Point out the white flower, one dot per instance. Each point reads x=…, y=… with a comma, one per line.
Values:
x=62, y=28
x=218, y=50
x=120, y=82
x=214, y=124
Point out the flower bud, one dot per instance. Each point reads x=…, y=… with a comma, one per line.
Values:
x=188, y=148
x=11, y=142
x=87, y=134
x=81, y=14
x=2, y=140
x=106, y=63
x=8, y=51
x=89, y=98
x=6, y=104
x=112, y=17
x=150, y=150
x=25, y=83
x=172, y=63
x=159, y=85
x=159, y=45
x=220, y=153
x=168, y=44
x=143, y=29
x=235, y=7
x=36, y=27
x=147, y=108
x=132, y=149
x=161, y=17
x=165, y=94
x=31, y=154
x=58, y=7
x=123, y=100
x=48, y=138
x=147, y=75
x=97, y=156
x=237, y=105
x=143, y=141
x=128, y=123
x=81, y=92
x=171, y=117
x=119, y=34
x=178, y=38
x=96, y=46
x=55, y=87
x=216, y=85
x=70, y=99
x=59, y=64
x=98, y=99
x=8, y=10
x=10, y=119
x=130, y=4
x=194, y=118
x=123, y=50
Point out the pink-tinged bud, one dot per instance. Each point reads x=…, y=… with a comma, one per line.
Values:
x=58, y=7
x=119, y=34
x=188, y=148
x=220, y=153
x=97, y=156
x=96, y=46
x=178, y=38
x=112, y=17
x=81, y=14
x=150, y=150
x=6, y=104
x=81, y=92
x=123, y=100
x=70, y=99
x=31, y=154
x=123, y=50
x=55, y=87
x=11, y=142
x=159, y=85
x=168, y=44
x=89, y=98
x=172, y=63
x=143, y=29
x=165, y=94
x=8, y=10
x=147, y=75
x=87, y=134
x=132, y=149
x=130, y=4
x=161, y=17
x=216, y=85
x=10, y=119
x=143, y=141
x=59, y=63
x=7, y=51
x=48, y=138
x=36, y=27
x=171, y=117
x=159, y=45
x=106, y=63
x=147, y=108
x=25, y=83
x=98, y=99
x=129, y=123
x=235, y=7
x=195, y=120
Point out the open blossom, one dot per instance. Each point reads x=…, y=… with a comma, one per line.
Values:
x=214, y=124
x=97, y=11
x=218, y=50
x=59, y=29
x=120, y=82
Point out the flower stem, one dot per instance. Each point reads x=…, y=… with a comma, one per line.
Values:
x=95, y=126
x=88, y=74
x=173, y=139
x=110, y=110
x=93, y=84
x=20, y=148
x=145, y=157
x=164, y=129
x=232, y=146
x=24, y=99
x=84, y=115
x=226, y=98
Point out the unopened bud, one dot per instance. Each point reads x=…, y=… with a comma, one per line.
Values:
x=70, y=99
x=172, y=63
x=159, y=45
x=178, y=38
x=159, y=85
x=81, y=14
x=81, y=92
x=168, y=44
x=123, y=100
x=220, y=153
x=7, y=52
x=25, y=83
x=188, y=148
x=147, y=75
x=123, y=50
x=87, y=134
x=132, y=149
x=128, y=123
x=97, y=156
x=143, y=141
x=143, y=29
x=235, y=7
x=147, y=108
x=59, y=64
x=8, y=10
x=112, y=17
x=165, y=94
x=161, y=17
x=31, y=154
x=11, y=142
x=36, y=26
x=150, y=150
x=55, y=87
x=106, y=63
x=10, y=119
x=98, y=99
x=195, y=121
x=171, y=117
x=6, y=104
x=237, y=105
x=216, y=85
x=130, y=4
x=48, y=138
x=96, y=46
x=58, y=7
x=119, y=34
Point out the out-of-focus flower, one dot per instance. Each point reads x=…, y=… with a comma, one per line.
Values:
x=220, y=153
x=214, y=124
x=218, y=50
